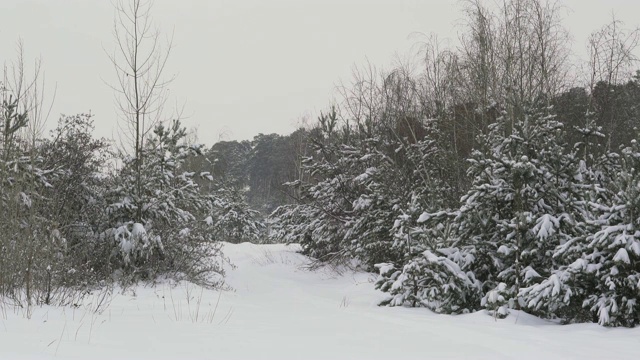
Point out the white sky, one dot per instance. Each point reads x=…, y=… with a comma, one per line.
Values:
x=244, y=66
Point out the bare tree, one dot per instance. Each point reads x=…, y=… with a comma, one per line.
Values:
x=478, y=54
x=612, y=62
x=25, y=92
x=139, y=59
x=611, y=53
x=513, y=56
x=361, y=97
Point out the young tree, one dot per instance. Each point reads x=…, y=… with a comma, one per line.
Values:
x=139, y=59
x=523, y=203
x=600, y=273
x=175, y=233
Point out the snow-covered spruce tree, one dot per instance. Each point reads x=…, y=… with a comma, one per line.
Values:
x=157, y=211
x=172, y=234
x=523, y=203
x=429, y=193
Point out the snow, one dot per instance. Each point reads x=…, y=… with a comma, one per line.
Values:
x=530, y=273
x=494, y=295
x=425, y=216
x=364, y=176
x=278, y=309
x=635, y=247
x=122, y=235
x=622, y=256
x=361, y=203
x=384, y=268
x=546, y=226
x=505, y=250
x=138, y=231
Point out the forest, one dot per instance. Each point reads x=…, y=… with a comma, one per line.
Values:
x=499, y=172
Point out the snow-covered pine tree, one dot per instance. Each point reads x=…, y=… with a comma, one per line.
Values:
x=430, y=280
x=232, y=220
x=317, y=221
x=172, y=234
x=359, y=183
x=429, y=193
x=600, y=279
x=522, y=203
x=432, y=273
x=380, y=190
x=614, y=250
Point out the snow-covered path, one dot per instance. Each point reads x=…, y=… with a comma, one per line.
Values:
x=279, y=310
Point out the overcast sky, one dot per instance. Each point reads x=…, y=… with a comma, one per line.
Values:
x=244, y=66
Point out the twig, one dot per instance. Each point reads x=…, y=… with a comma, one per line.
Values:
x=60, y=340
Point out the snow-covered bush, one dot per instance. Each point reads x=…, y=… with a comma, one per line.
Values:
x=497, y=301
x=29, y=253
x=136, y=245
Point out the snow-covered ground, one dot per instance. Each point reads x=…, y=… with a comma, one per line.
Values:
x=279, y=310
